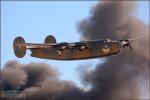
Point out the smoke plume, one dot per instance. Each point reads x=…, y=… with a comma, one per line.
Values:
x=37, y=81
x=119, y=77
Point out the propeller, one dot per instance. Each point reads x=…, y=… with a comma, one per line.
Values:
x=127, y=43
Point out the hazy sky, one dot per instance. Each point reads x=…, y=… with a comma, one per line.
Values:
x=34, y=20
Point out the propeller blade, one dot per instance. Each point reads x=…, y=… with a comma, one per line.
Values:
x=127, y=43
x=132, y=39
x=131, y=47
x=138, y=38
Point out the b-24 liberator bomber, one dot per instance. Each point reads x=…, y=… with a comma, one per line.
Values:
x=70, y=51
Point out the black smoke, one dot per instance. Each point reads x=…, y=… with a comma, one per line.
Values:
x=119, y=77
x=37, y=81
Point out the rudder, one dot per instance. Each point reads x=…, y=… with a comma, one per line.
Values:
x=50, y=39
x=19, y=47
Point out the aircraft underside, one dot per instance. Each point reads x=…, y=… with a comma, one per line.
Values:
x=95, y=52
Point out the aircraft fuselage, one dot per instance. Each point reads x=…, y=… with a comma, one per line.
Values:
x=95, y=49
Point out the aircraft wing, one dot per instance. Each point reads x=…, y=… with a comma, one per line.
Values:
x=37, y=45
